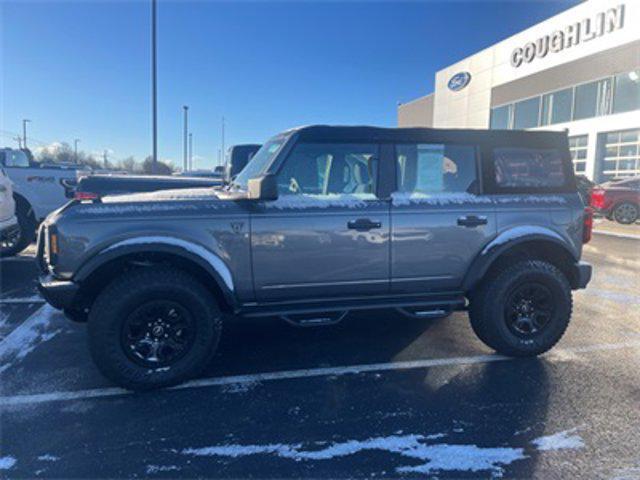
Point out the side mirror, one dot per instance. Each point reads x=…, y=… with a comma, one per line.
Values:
x=264, y=187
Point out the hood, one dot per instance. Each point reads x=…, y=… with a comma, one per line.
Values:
x=164, y=196
x=191, y=201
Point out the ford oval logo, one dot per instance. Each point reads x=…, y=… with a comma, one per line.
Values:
x=459, y=81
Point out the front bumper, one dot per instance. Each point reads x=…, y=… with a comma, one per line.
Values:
x=582, y=275
x=59, y=294
x=9, y=227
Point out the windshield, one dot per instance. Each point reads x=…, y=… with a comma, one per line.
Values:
x=259, y=162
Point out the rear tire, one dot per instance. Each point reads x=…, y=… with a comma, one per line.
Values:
x=26, y=231
x=626, y=213
x=516, y=323
x=153, y=327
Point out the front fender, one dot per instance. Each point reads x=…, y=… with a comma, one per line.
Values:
x=508, y=240
x=188, y=250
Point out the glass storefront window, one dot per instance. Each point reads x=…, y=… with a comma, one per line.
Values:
x=585, y=101
x=626, y=96
x=592, y=99
x=526, y=113
x=621, y=154
x=501, y=117
x=578, y=149
x=556, y=107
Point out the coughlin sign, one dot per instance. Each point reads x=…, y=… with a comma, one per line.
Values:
x=572, y=35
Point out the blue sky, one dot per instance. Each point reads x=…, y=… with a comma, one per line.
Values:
x=80, y=69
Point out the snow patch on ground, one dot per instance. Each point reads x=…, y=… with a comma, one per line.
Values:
x=559, y=441
x=48, y=458
x=433, y=458
x=151, y=469
x=7, y=463
x=24, y=339
x=241, y=387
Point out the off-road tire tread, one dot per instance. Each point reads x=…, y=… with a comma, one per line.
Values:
x=106, y=350
x=486, y=308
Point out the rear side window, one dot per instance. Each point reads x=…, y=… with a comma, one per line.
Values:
x=436, y=168
x=529, y=168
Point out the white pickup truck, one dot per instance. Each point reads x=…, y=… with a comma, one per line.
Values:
x=37, y=189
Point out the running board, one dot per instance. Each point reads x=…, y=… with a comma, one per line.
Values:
x=320, y=309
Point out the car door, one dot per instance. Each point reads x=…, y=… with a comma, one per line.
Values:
x=327, y=234
x=439, y=224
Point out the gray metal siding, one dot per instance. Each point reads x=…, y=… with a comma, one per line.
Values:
x=603, y=64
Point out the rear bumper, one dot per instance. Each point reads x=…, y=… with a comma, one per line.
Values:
x=59, y=294
x=582, y=275
x=601, y=212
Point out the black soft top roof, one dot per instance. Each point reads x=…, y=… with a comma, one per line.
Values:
x=321, y=133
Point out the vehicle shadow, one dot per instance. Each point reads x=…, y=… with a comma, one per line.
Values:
x=270, y=344
x=500, y=404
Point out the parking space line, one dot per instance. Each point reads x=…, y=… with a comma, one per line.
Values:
x=617, y=235
x=16, y=301
x=560, y=355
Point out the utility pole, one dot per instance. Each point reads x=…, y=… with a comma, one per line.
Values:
x=184, y=137
x=154, y=87
x=75, y=149
x=104, y=159
x=190, y=151
x=24, y=130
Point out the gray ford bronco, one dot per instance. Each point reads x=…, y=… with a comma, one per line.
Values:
x=323, y=221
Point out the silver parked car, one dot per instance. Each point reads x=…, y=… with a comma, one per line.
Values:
x=323, y=221
x=9, y=229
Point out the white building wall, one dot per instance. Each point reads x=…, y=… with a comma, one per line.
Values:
x=471, y=106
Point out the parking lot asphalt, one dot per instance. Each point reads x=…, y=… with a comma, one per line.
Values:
x=378, y=395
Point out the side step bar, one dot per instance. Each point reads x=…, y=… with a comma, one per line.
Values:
x=324, y=311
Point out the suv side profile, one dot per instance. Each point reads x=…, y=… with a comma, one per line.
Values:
x=323, y=221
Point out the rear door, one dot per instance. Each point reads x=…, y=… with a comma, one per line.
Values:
x=439, y=222
x=327, y=235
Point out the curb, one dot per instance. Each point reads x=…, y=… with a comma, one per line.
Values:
x=629, y=236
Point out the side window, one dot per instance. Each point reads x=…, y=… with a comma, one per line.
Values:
x=436, y=168
x=536, y=168
x=329, y=169
x=15, y=158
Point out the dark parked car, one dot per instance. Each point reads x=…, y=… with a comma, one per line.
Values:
x=94, y=187
x=321, y=222
x=619, y=201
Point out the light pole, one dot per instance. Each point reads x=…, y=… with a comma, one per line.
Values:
x=154, y=87
x=24, y=131
x=190, y=151
x=223, y=153
x=184, y=138
x=75, y=149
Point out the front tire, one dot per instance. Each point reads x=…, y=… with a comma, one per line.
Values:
x=153, y=327
x=626, y=213
x=522, y=311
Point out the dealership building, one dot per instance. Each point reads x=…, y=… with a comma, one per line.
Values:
x=577, y=71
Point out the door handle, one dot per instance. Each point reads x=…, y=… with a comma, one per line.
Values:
x=363, y=224
x=471, y=221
